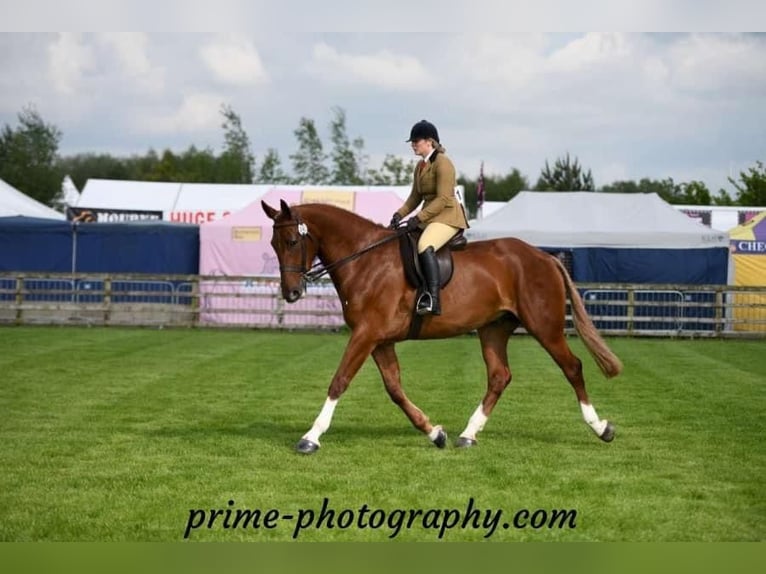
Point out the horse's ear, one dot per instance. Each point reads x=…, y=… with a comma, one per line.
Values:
x=268, y=210
x=285, y=209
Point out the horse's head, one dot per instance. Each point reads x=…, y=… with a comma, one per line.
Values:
x=295, y=252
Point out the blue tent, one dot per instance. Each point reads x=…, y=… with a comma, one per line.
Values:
x=701, y=266
x=140, y=247
x=44, y=245
x=34, y=244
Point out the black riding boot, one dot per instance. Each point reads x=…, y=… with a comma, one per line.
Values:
x=431, y=271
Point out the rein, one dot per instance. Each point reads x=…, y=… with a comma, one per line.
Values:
x=318, y=270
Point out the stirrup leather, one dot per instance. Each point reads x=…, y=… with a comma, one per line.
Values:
x=425, y=303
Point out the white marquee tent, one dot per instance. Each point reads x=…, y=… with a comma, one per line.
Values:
x=192, y=202
x=589, y=219
x=13, y=202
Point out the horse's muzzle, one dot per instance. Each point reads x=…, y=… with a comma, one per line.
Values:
x=291, y=295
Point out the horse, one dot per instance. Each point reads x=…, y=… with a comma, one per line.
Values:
x=497, y=286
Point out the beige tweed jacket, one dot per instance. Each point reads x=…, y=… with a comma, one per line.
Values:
x=434, y=184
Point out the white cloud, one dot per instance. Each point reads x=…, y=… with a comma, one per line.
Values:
x=68, y=59
x=597, y=84
x=131, y=50
x=383, y=69
x=508, y=61
x=594, y=49
x=196, y=113
x=719, y=63
x=655, y=70
x=234, y=60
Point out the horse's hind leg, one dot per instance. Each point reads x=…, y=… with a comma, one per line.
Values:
x=388, y=364
x=494, y=349
x=550, y=334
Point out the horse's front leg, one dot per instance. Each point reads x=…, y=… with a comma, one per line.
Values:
x=388, y=365
x=357, y=350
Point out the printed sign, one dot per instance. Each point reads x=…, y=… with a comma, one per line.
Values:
x=99, y=214
x=196, y=217
x=246, y=233
x=344, y=199
x=749, y=246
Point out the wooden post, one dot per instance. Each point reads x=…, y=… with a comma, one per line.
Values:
x=107, y=299
x=195, y=303
x=719, y=314
x=19, y=299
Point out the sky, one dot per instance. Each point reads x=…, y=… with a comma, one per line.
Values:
x=627, y=105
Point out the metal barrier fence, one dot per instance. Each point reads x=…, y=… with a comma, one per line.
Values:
x=256, y=302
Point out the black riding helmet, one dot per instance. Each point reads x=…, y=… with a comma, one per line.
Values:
x=423, y=130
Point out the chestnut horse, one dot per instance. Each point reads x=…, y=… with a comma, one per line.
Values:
x=497, y=285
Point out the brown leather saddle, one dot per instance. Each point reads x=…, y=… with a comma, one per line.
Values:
x=408, y=248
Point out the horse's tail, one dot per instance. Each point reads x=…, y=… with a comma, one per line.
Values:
x=606, y=360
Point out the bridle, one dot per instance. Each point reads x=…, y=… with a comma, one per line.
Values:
x=303, y=232
x=311, y=273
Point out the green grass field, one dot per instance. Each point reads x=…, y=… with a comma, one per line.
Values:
x=117, y=434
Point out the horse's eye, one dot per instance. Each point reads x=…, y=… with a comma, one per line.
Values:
x=292, y=242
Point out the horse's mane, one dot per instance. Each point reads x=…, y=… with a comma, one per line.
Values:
x=350, y=218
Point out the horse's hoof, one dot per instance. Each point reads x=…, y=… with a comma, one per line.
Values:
x=441, y=439
x=306, y=446
x=464, y=442
x=608, y=434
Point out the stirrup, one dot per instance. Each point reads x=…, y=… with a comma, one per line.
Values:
x=425, y=303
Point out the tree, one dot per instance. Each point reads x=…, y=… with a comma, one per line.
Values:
x=686, y=193
x=393, y=171
x=692, y=193
x=663, y=188
x=723, y=198
x=197, y=165
x=166, y=169
x=621, y=187
x=271, y=169
x=345, y=157
x=82, y=167
x=504, y=188
x=565, y=176
x=140, y=166
x=751, y=188
x=237, y=161
x=28, y=156
x=308, y=161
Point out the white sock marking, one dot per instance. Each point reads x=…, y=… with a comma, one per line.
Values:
x=434, y=432
x=590, y=416
x=322, y=422
x=475, y=423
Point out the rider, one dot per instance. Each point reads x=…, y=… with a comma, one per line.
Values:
x=442, y=216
